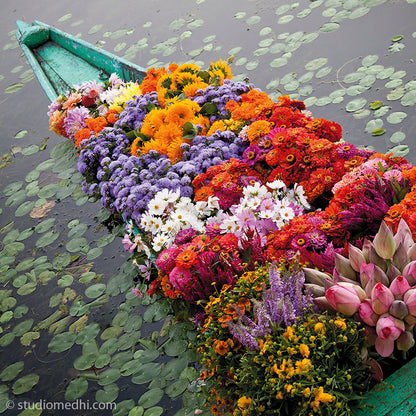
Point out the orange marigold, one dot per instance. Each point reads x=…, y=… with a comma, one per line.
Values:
x=81, y=135
x=257, y=130
x=221, y=347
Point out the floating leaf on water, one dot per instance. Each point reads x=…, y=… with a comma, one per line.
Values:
x=47, y=239
x=27, y=289
x=146, y=373
x=6, y=316
x=95, y=290
x=396, y=47
x=20, y=311
x=195, y=23
x=88, y=333
x=253, y=20
x=26, y=339
x=397, y=137
x=397, y=38
x=329, y=12
x=109, y=376
x=315, y=64
x=151, y=398
x=373, y=125
x=65, y=17
x=378, y=132
x=329, y=27
x=65, y=280
x=359, y=12
x=94, y=253
x=108, y=395
x=95, y=29
x=278, y=62
x=20, y=134
x=356, y=104
x=62, y=342
x=400, y=150
x=397, y=117
x=13, y=88
x=409, y=98
x=76, y=388
x=285, y=19
x=7, y=339
x=369, y=60
x=123, y=407
x=375, y=105
x=43, y=210
x=111, y=332
x=12, y=371
x=136, y=411
x=177, y=388
x=76, y=244
x=25, y=383
x=30, y=150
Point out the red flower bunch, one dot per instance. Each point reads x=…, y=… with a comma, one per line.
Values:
x=202, y=264
x=225, y=181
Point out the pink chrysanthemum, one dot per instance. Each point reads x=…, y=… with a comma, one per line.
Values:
x=75, y=120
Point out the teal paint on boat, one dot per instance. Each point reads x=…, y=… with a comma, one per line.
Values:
x=61, y=61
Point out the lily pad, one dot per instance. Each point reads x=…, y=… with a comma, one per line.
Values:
x=25, y=383
x=62, y=342
x=76, y=388
x=12, y=371
x=151, y=398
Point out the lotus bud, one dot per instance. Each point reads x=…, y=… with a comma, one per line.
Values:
x=366, y=250
x=376, y=259
x=356, y=257
x=409, y=299
x=399, y=286
x=400, y=258
x=380, y=276
x=336, y=277
x=405, y=341
x=322, y=303
x=403, y=235
x=384, y=242
x=345, y=297
x=388, y=329
x=366, y=274
x=409, y=272
x=315, y=289
x=392, y=272
x=343, y=267
x=367, y=313
x=411, y=253
x=398, y=309
x=381, y=298
x=315, y=276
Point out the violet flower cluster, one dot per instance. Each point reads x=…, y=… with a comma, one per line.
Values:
x=281, y=306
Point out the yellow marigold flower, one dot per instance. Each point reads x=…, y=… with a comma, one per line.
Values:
x=304, y=350
x=180, y=112
x=220, y=66
x=306, y=392
x=257, y=130
x=290, y=350
x=288, y=387
x=303, y=366
x=340, y=323
x=319, y=328
x=192, y=89
x=289, y=334
x=320, y=397
x=244, y=402
x=216, y=125
x=131, y=89
x=279, y=396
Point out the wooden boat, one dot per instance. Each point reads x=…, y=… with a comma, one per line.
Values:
x=61, y=61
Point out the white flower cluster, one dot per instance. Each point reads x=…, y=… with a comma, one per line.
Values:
x=168, y=213
x=272, y=204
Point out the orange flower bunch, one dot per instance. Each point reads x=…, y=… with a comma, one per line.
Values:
x=95, y=126
x=165, y=128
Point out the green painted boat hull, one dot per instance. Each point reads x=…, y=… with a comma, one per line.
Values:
x=61, y=61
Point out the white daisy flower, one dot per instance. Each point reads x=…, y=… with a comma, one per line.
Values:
x=256, y=190
x=168, y=195
x=276, y=185
x=157, y=205
x=146, y=221
x=170, y=227
x=229, y=225
x=301, y=197
x=160, y=241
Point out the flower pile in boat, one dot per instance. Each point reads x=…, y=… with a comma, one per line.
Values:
x=236, y=198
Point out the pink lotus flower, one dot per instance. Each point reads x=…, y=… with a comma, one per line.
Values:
x=399, y=286
x=381, y=298
x=388, y=330
x=345, y=297
x=410, y=301
x=367, y=313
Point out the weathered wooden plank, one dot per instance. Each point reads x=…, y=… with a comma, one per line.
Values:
x=393, y=397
